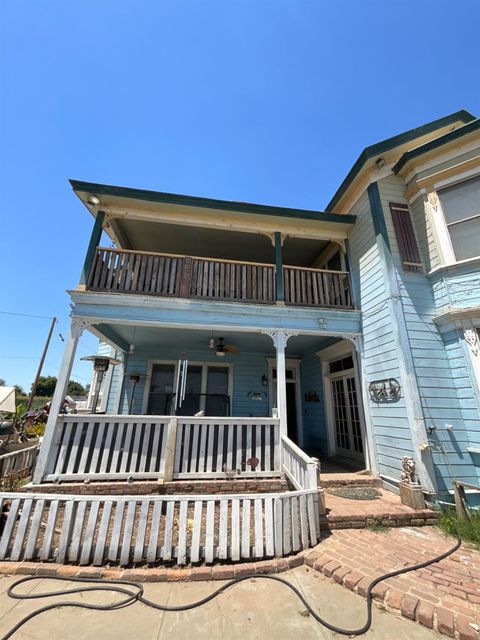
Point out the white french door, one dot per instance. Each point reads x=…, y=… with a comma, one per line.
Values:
x=346, y=416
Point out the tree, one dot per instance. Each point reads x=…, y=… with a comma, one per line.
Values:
x=76, y=389
x=2, y=383
x=20, y=391
x=46, y=386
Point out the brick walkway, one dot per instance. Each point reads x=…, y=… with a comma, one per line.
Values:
x=444, y=596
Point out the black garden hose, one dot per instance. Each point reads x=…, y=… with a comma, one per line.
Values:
x=134, y=592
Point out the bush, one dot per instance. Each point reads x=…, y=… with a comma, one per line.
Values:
x=466, y=529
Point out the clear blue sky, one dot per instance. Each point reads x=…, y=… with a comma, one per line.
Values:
x=253, y=100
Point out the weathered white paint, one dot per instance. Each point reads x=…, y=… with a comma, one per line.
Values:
x=275, y=531
x=74, y=333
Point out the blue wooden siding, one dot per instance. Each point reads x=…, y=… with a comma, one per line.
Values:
x=456, y=286
x=313, y=413
x=390, y=425
x=248, y=369
x=442, y=379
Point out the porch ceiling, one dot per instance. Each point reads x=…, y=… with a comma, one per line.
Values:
x=185, y=340
x=143, y=235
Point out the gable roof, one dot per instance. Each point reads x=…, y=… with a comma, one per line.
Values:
x=390, y=143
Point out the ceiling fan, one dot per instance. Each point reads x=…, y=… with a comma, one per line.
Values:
x=221, y=349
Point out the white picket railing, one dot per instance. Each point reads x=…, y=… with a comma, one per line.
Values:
x=22, y=460
x=214, y=447
x=137, y=530
x=300, y=469
x=108, y=447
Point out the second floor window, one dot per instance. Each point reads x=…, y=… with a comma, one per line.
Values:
x=461, y=209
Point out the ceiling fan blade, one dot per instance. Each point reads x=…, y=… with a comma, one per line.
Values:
x=231, y=348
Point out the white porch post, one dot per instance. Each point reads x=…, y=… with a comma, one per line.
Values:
x=76, y=330
x=280, y=338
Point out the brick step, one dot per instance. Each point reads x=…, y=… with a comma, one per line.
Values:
x=390, y=518
x=352, y=480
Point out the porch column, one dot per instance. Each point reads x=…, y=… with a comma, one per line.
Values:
x=279, y=296
x=92, y=245
x=280, y=338
x=76, y=330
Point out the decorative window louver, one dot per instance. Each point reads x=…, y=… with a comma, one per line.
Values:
x=405, y=235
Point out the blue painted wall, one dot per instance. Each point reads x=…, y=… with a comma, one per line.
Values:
x=248, y=369
x=390, y=425
x=440, y=370
x=313, y=413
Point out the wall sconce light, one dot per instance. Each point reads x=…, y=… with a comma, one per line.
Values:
x=264, y=380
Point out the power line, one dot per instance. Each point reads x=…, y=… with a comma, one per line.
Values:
x=26, y=315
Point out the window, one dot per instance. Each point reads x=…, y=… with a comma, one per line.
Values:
x=461, y=209
x=405, y=235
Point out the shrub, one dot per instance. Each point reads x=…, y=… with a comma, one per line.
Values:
x=466, y=529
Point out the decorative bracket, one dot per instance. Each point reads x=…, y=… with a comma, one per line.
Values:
x=280, y=337
x=355, y=340
x=473, y=341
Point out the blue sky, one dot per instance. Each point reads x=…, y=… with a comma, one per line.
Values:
x=253, y=100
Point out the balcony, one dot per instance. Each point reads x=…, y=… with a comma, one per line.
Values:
x=177, y=276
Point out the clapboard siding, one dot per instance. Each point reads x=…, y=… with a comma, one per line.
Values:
x=457, y=286
x=247, y=370
x=435, y=362
x=313, y=413
x=380, y=357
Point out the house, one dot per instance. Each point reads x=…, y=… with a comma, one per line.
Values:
x=354, y=329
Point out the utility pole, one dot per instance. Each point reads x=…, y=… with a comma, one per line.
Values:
x=40, y=366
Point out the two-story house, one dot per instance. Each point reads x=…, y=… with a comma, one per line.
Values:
x=356, y=326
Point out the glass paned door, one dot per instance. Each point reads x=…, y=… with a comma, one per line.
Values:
x=348, y=435
x=192, y=402
x=161, y=388
x=216, y=399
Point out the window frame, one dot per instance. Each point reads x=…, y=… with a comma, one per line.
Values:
x=452, y=257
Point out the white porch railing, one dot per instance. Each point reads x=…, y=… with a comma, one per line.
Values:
x=214, y=447
x=142, y=447
x=22, y=460
x=131, y=530
x=300, y=469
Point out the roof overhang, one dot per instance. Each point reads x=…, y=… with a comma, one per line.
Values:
x=390, y=151
x=141, y=204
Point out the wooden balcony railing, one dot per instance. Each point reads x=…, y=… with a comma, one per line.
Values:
x=123, y=271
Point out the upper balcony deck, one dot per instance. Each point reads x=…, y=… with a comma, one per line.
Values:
x=193, y=277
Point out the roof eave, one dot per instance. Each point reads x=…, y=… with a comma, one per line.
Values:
x=434, y=144
x=208, y=203
x=390, y=143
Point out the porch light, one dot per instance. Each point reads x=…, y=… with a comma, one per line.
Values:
x=264, y=380
x=93, y=200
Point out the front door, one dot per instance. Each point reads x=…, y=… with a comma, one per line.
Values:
x=348, y=434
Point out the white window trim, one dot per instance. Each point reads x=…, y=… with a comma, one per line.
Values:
x=337, y=351
x=203, y=363
x=437, y=217
x=290, y=363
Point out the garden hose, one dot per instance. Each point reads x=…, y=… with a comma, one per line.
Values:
x=134, y=592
